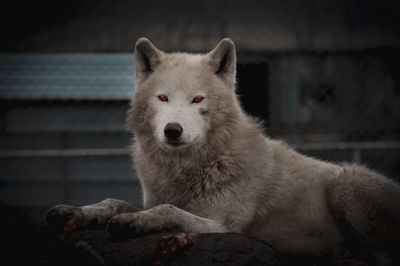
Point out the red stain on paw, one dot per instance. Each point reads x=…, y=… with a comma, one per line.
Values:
x=69, y=228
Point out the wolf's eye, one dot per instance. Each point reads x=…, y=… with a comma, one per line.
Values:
x=163, y=98
x=197, y=99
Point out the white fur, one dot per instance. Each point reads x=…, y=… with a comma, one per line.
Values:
x=231, y=177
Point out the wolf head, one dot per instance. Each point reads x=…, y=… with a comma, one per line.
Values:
x=183, y=100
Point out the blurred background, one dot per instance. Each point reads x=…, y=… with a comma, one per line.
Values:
x=323, y=75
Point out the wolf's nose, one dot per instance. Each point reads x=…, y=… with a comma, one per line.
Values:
x=173, y=131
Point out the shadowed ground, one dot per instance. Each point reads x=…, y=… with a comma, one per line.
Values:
x=25, y=243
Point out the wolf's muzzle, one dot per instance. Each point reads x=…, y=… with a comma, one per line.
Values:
x=173, y=131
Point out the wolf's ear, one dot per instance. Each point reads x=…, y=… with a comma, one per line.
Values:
x=223, y=58
x=147, y=58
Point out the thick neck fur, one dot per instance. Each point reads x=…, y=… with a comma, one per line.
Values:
x=199, y=170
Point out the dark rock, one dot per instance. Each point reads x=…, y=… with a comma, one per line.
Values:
x=25, y=243
x=96, y=247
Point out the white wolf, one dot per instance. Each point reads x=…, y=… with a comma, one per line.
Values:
x=206, y=166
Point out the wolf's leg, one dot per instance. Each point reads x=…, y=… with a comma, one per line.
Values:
x=163, y=217
x=366, y=208
x=95, y=215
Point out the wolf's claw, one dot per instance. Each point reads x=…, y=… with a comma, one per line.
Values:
x=64, y=217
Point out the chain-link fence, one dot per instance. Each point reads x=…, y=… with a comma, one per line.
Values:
x=63, y=137
x=338, y=106
x=63, y=134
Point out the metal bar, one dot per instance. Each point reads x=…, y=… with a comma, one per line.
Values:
x=65, y=153
x=127, y=152
x=357, y=156
x=292, y=99
x=30, y=182
x=348, y=145
x=66, y=188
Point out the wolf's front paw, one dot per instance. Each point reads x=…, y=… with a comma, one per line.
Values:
x=65, y=217
x=129, y=225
